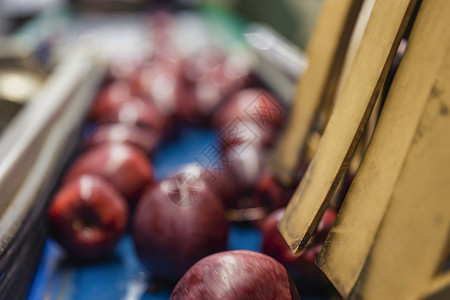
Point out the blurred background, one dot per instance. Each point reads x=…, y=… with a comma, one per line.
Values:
x=293, y=19
x=36, y=35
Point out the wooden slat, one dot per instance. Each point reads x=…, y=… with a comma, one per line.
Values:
x=326, y=52
x=350, y=240
x=412, y=243
x=384, y=30
x=355, y=40
x=439, y=288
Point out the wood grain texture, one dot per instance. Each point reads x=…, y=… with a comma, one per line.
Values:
x=412, y=243
x=346, y=249
x=355, y=40
x=326, y=52
x=378, y=46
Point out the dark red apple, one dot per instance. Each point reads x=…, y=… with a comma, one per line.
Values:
x=236, y=275
x=204, y=85
x=222, y=184
x=273, y=242
x=221, y=181
x=87, y=217
x=241, y=207
x=203, y=63
x=162, y=25
x=253, y=104
x=110, y=97
x=218, y=180
x=209, y=77
x=234, y=175
x=302, y=267
x=178, y=222
x=124, y=67
x=145, y=139
x=243, y=133
x=137, y=112
x=125, y=167
x=233, y=74
x=160, y=82
x=271, y=193
x=245, y=163
x=275, y=245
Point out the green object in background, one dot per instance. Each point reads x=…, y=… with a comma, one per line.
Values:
x=292, y=18
x=228, y=27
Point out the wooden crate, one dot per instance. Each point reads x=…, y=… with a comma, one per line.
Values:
x=391, y=237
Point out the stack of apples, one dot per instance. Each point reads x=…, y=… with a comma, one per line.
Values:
x=179, y=224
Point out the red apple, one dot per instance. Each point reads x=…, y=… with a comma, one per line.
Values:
x=302, y=267
x=253, y=104
x=218, y=180
x=241, y=207
x=145, y=139
x=125, y=167
x=209, y=77
x=237, y=71
x=178, y=222
x=87, y=217
x=123, y=68
x=275, y=245
x=160, y=82
x=273, y=242
x=110, y=97
x=244, y=163
x=236, y=275
x=271, y=193
x=242, y=133
x=232, y=75
x=202, y=64
x=162, y=26
x=136, y=111
x=234, y=176
x=222, y=184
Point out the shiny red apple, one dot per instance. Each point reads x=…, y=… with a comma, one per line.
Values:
x=204, y=92
x=236, y=275
x=252, y=104
x=87, y=217
x=145, y=139
x=160, y=82
x=205, y=62
x=177, y=222
x=222, y=184
x=124, y=67
x=244, y=163
x=234, y=176
x=209, y=78
x=218, y=180
x=243, y=133
x=162, y=24
x=271, y=192
x=125, y=167
x=137, y=112
x=275, y=245
x=110, y=98
x=303, y=269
